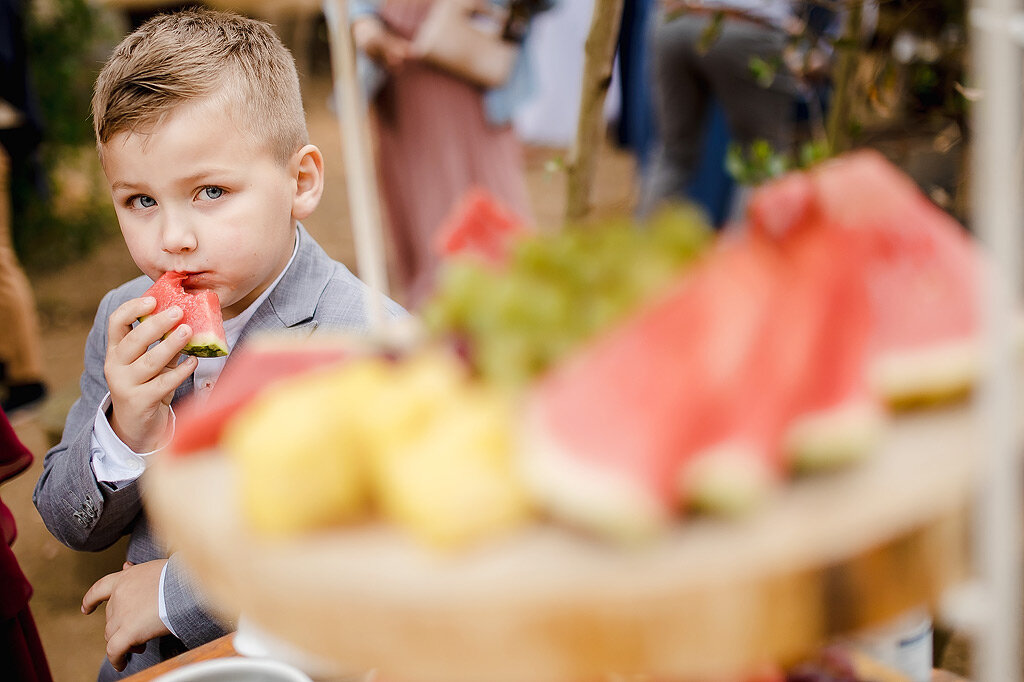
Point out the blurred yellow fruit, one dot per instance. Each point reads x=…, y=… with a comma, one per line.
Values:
x=431, y=449
x=455, y=482
x=298, y=446
x=412, y=395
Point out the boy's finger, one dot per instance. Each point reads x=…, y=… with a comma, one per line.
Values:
x=168, y=381
x=99, y=592
x=117, y=647
x=134, y=344
x=121, y=320
x=155, y=360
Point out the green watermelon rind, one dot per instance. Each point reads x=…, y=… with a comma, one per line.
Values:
x=201, y=345
x=205, y=346
x=729, y=480
x=940, y=373
x=834, y=438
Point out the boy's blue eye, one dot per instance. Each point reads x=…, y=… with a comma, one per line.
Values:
x=142, y=201
x=211, y=193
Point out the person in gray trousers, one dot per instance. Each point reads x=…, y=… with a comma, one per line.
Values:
x=688, y=74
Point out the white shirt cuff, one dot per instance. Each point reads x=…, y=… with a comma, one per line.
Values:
x=112, y=460
x=160, y=602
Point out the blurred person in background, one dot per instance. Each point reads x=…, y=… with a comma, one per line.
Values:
x=695, y=63
x=437, y=136
x=21, y=652
x=21, y=366
x=550, y=116
x=636, y=130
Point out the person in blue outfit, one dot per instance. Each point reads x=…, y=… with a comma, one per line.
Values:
x=202, y=138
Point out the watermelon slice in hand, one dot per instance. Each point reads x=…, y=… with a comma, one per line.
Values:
x=201, y=312
x=921, y=268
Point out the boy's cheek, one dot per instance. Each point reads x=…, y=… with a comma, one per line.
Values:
x=143, y=254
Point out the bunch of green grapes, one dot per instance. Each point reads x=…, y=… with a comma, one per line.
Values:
x=557, y=290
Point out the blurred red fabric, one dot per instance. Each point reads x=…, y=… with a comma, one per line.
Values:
x=21, y=652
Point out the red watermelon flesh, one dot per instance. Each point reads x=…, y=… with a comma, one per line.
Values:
x=479, y=225
x=820, y=409
x=609, y=430
x=201, y=312
x=694, y=400
x=251, y=369
x=922, y=269
x=806, y=366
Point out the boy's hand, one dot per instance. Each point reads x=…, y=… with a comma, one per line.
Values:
x=133, y=615
x=142, y=381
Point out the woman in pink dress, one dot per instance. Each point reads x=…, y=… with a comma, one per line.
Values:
x=437, y=136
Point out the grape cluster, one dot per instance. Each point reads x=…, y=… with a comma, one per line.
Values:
x=557, y=290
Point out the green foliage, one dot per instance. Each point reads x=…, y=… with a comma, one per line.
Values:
x=759, y=162
x=61, y=47
x=67, y=42
x=765, y=70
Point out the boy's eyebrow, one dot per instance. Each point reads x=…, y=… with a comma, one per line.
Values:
x=196, y=178
x=200, y=176
x=122, y=184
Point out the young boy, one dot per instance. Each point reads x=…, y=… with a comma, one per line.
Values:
x=202, y=137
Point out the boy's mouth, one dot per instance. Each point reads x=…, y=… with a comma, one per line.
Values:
x=196, y=280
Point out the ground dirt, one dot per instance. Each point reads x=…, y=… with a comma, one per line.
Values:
x=67, y=300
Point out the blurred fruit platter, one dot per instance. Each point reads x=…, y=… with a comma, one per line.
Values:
x=614, y=449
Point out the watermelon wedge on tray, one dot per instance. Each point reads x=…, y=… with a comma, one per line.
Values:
x=690, y=402
x=922, y=269
x=608, y=431
x=820, y=410
x=479, y=226
x=201, y=312
x=846, y=290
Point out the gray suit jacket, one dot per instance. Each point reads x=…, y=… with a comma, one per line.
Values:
x=315, y=293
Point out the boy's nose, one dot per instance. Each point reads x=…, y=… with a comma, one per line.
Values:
x=177, y=235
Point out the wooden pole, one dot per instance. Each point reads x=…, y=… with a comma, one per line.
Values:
x=597, y=76
x=997, y=212
x=839, y=120
x=360, y=173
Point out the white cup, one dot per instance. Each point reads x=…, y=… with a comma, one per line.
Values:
x=236, y=670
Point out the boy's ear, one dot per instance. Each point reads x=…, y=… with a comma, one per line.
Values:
x=308, y=165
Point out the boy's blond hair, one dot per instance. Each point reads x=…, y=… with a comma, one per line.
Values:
x=199, y=54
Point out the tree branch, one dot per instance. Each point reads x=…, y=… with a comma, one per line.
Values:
x=597, y=76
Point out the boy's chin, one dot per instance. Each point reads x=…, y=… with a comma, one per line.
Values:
x=234, y=306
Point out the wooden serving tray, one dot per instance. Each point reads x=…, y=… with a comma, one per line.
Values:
x=829, y=554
